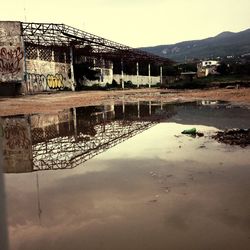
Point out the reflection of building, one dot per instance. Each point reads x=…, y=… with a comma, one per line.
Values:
x=16, y=143
x=71, y=137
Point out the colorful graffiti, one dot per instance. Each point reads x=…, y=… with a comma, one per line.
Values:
x=55, y=81
x=40, y=81
x=16, y=137
x=10, y=60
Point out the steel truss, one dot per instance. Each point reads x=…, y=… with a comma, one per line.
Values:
x=70, y=151
x=61, y=35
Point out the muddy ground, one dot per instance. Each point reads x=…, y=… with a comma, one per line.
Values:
x=49, y=103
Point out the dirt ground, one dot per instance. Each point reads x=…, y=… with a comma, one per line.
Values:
x=50, y=103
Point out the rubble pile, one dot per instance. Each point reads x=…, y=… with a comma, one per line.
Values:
x=239, y=137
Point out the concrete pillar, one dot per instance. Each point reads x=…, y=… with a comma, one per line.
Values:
x=137, y=74
x=149, y=108
x=138, y=109
x=103, y=122
x=111, y=71
x=75, y=123
x=72, y=69
x=102, y=69
x=52, y=55
x=65, y=57
x=122, y=74
x=38, y=54
x=3, y=222
x=149, y=75
x=160, y=74
x=123, y=106
x=26, y=82
x=101, y=74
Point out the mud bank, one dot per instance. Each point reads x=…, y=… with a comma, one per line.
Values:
x=49, y=103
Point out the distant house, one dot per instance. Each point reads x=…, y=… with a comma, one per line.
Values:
x=205, y=68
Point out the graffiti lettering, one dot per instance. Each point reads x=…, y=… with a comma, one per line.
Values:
x=10, y=60
x=55, y=81
x=38, y=80
x=16, y=137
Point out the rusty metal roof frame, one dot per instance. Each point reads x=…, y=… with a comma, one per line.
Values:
x=50, y=34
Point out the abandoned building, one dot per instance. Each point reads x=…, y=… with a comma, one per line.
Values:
x=38, y=57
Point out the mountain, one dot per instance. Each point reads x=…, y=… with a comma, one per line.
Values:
x=225, y=44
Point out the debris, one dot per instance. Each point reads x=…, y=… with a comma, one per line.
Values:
x=240, y=137
x=191, y=131
x=153, y=200
x=199, y=134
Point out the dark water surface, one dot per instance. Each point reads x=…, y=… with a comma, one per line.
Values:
x=127, y=179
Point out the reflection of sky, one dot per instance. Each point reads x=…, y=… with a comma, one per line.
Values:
x=157, y=190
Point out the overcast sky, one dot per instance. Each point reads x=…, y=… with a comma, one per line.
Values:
x=137, y=22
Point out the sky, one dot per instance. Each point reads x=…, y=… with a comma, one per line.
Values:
x=137, y=23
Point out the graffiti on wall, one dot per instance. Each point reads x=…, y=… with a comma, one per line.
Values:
x=16, y=137
x=10, y=60
x=40, y=81
x=43, y=75
x=15, y=140
x=55, y=81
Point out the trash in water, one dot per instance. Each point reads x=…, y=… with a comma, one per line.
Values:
x=192, y=132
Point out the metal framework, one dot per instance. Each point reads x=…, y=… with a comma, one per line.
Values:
x=61, y=35
x=83, y=137
x=70, y=151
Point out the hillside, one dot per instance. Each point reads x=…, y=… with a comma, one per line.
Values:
x=224, y=44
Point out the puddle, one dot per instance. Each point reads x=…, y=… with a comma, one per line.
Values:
x=127, y=178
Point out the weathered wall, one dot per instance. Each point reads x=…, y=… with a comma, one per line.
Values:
x=43, y=120
x=11, y=52
x=141, y=80
x=15, y=140
x=47, y=75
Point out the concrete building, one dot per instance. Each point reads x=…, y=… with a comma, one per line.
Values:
x=204, y=68
x=38, y=57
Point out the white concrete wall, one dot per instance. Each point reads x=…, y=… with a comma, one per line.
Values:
x=106, y=75
x=141, y=80
x=47, y=76
x=210, y=63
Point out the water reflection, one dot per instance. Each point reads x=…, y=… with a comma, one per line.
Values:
x=146, y=193
x=71, y=137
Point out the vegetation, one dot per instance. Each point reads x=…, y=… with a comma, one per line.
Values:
x=211, y=81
